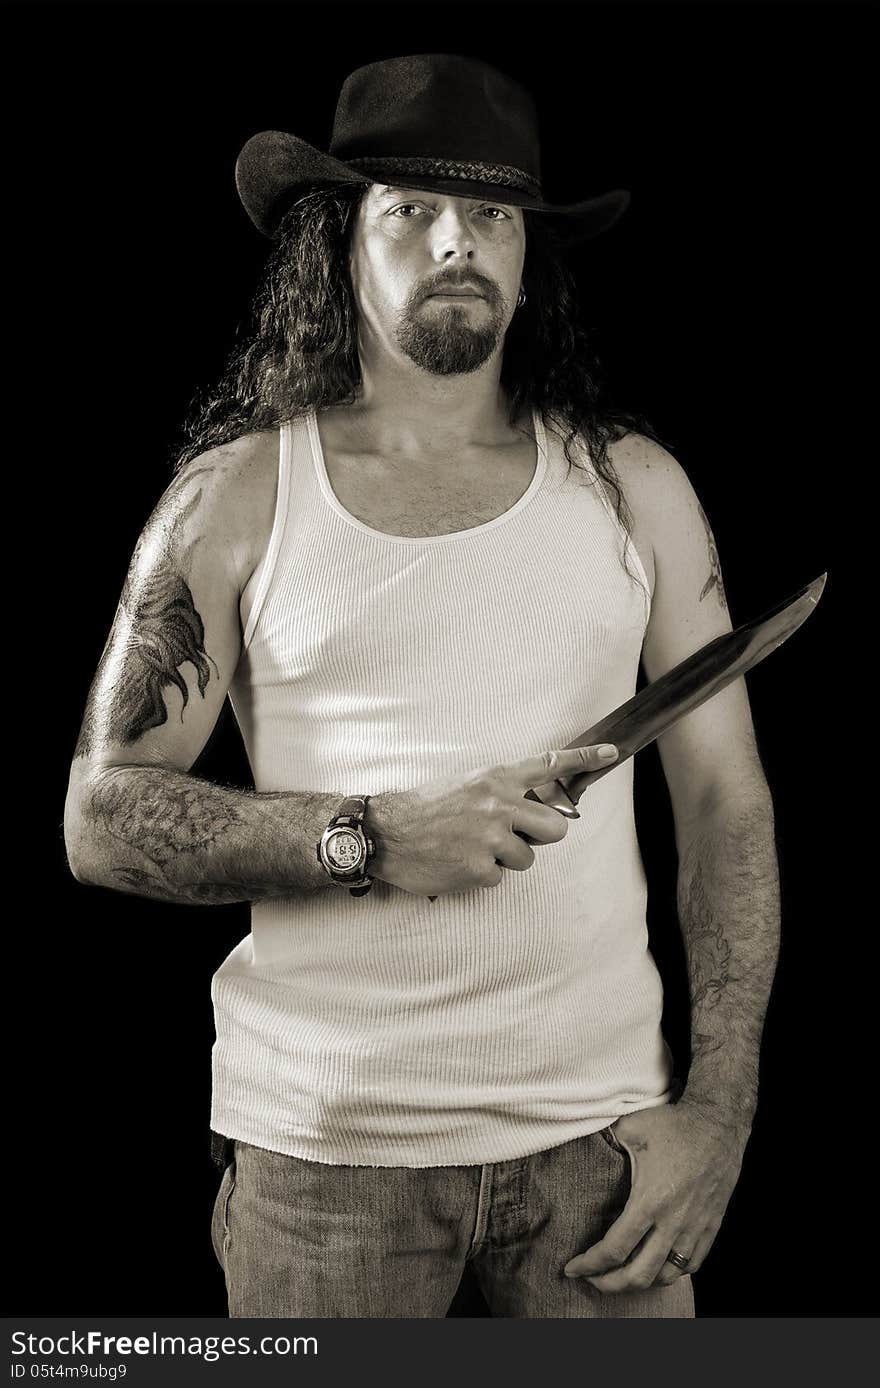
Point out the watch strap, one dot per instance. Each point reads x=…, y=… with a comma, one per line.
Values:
x=351, y=811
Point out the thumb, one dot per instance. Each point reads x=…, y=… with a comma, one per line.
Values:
x=550, y=766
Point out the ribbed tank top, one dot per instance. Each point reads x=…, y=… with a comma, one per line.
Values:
x=387, y=1030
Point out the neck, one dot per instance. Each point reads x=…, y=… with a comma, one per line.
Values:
x=433, y=412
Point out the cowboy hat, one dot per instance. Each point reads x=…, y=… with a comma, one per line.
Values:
x=433, y=121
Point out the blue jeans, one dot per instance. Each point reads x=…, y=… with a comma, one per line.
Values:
x=299, y=1238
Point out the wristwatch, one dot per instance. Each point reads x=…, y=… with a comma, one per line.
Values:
x=345, y=850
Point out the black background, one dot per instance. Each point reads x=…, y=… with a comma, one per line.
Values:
x=731, y=305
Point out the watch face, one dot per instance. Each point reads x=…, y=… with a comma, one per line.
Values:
x=344, y=850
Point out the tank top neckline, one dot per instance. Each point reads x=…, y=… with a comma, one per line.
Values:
x=519, y=505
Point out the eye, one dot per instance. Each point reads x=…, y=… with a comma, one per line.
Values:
x=404, y=208
x=502, y=215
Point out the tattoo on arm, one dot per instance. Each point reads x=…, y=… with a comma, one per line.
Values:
x=709, y=959
x=162, y=632
x=714, y=579
x=168, y=816
x=169, y=825
x=728, y=899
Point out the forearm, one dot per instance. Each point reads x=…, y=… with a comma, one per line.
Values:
x=161, y=833
x=728, y=903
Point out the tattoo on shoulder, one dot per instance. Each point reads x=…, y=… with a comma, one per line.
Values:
x=163, y=631
x=714, y=579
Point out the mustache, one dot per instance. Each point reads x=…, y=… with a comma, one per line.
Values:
x=463, y=280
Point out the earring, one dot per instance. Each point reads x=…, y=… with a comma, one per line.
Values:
x=520, y=298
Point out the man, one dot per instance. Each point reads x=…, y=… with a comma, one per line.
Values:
x=419, y=556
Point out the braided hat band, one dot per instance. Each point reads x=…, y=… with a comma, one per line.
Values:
x=503, y=175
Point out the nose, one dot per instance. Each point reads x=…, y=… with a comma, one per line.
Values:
x=452, y=237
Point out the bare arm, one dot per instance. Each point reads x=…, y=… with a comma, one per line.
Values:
x=162, y=833
x=728, y=889
x=686, y=1157
x=728, y=903
x=135, y=819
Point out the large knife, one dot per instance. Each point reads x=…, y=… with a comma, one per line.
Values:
x=655, y=708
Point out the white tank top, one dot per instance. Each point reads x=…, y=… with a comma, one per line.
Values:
x=387, y=1030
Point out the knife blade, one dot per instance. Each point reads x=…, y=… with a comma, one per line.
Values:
x=654, y=710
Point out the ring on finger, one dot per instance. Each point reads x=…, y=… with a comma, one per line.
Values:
x=678, y=1260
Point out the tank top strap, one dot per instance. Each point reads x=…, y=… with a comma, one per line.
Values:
x=294, y=469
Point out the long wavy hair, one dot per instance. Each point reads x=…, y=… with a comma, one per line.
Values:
x=301, y=352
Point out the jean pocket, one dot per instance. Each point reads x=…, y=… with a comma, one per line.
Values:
x=613, y=1141
x=220, y=1216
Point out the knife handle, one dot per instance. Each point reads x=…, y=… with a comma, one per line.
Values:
x=554, y=794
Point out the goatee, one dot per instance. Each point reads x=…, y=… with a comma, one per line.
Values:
x=446, y=343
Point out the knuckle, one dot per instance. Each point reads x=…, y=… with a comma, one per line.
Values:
x=485, y=781
x=549, y=760
x=642, y=1280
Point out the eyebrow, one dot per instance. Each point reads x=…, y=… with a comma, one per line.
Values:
x=390, y=190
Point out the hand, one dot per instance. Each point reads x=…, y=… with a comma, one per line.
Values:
x=458, y=833
x=684, y=1169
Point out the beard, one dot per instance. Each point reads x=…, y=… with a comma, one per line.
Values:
x=446, y=343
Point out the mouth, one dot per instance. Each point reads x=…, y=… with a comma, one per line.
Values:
x=456, y=294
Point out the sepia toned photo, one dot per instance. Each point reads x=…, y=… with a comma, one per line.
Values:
x=454, y=536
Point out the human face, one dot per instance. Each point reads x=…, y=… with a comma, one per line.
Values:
x=435, y=276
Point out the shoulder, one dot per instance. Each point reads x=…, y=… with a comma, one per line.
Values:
x=233, y=470
x=664, y=505
x=669, y=521
x=228, y=495
x=649, y=473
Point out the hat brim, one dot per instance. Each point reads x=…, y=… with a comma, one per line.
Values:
x=274, y=166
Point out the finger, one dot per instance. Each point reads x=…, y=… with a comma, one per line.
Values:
x=515, y=853
x=686, y=1246
x=625, y=1234
x=539, y=822
x=549, y=766
x=702, y=1248
x=643, y=1269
